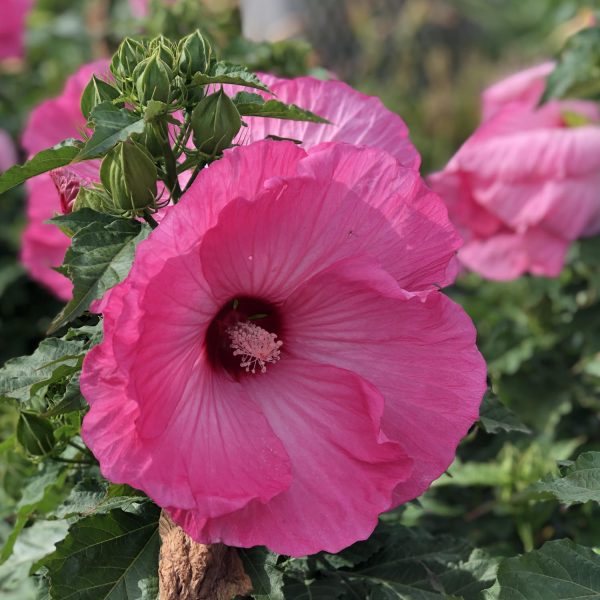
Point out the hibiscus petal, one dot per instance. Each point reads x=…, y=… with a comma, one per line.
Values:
x=344, y=470
x=508, y=255
x=417, y=350
x=177, y=431
x=349, y=201
x=547, y=176
x=355, y=118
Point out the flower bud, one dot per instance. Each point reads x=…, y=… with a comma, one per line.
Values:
x=95, y=92
x=153, y=80
x=129, y=175
x=194, y=54
x=129, y=54
x=165, y=49
x=215, y=122
x=35, y=434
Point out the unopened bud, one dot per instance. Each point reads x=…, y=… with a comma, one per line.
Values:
x=96, y=91
x=129, y=175
x=153, y=80
x=195, y=54
x=165, y=49
x=215, y=122
x=129, y=54
x=35, y=434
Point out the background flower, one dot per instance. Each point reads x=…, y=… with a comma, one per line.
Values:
x=12, y=27
x=527, y=182
x=339, y=252
x=44, y=245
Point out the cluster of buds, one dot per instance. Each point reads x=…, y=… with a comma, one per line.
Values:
x=158, y=82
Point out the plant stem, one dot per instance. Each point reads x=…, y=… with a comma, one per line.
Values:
x=150, y=219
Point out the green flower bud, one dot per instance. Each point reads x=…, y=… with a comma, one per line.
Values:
x=129, y=175
x=35, y=434
x=129, y=54
x=194, y=54
x=165, y=49
x=153, y=80
x=95, y=92
x=215, y=122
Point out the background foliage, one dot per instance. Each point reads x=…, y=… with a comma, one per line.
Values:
x=526, y=479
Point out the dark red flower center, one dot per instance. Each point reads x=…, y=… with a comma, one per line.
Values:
x=242, y=338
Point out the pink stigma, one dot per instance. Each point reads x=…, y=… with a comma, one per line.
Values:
x=255, y=345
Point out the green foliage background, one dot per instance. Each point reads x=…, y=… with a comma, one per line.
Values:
x=528, y=474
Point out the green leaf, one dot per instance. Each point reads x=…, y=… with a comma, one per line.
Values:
x=99, y=257
x=577, y=74
x=38, y=494
x=74, y=222
x=414, y=565
x=111, y=125
x=71, y=401
x=223, y=72
x=495, y=417
x=33, y=544
x=579, y=483
x=254, y=105
x=46, y=160
x=267, y=578
x=107, y=557
x=559, y=570
x=53, y=360
x=94, y=497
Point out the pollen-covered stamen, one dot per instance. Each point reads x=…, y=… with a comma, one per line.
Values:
x=255, y=345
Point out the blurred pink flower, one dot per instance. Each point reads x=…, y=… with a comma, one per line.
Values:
x=525, y=184
x=139, y=8
x=12, y=27
x=280, y=367
x=44, y=245
x=8, y=154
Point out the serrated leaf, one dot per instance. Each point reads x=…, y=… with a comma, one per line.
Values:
x=579, y=483
x=223, y=72
x=33, y=544
x=94, y=497
x=326, y=588
x=111, y=125
x=577, y=74
x=261, y=566
x=74, y=222
x=559, y=570
x=107, y=557
x=46, y=160
x=99, y=257
x=414, y=565
x=72, y=399
x=495, y=417
x=38, y=494
x=53, y=360
x=253, y=105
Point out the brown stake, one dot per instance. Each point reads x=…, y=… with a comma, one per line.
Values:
x=191, y=571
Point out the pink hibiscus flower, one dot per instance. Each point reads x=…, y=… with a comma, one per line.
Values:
x=12, y=27
x=44, y=245
x=525, y=184
x=280, y=367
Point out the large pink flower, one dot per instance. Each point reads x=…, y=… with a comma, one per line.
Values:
x=12, y=27
x=525, y=184
x=54, y=120
x=280, y=366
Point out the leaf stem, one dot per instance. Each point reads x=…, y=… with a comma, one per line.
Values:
x=150, y=219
